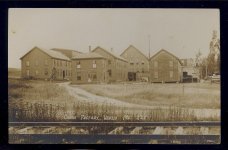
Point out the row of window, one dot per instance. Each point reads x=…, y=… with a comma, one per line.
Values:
x=156, y=75
x=94, y=64
x=61, y=63
x=170, y=63
x=142, y=70
x=59, y=72
x=36, y=63
x=55, y=63
x=90, y=77
x=65, y=63
x=131, y=63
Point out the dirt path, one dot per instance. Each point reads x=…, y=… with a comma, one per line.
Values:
x=83, y=95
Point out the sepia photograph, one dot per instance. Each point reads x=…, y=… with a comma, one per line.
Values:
x=114, y=76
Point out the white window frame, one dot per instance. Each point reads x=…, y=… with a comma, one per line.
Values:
x=78, y=64
x=170, y=63
x=94, y=64
x=156, y=74
x=155, y=64
x=36, y=72
x=27, y=63
x=171, y=74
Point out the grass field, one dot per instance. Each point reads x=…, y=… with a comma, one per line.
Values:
x=189, y=95
x=35, y=100
x=14, y=73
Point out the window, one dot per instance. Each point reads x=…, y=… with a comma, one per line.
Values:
x=155, y=64
x=170, y=63
x=171, y=74
x=46, y=72
x=37, y=63
x=131, y=63
x=110, y=72
x=46, y=62
x=78, y=76
x=37, y=72
x=155, y=74
x=142, y=63
x=57, y=72
x=142, y=70
x=103, y=62
x=94, y=64
x=27, y=72
x=78, y=64
x=94, y=77
x=27, y=63
x=109, y=62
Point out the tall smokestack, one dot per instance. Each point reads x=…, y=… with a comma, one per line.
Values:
x=89, y=48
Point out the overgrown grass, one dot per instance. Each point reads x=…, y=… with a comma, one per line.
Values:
x=14, y=73
x=194, y=95
x=46, y=101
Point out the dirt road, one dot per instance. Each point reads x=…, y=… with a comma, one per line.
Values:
x=83, y=95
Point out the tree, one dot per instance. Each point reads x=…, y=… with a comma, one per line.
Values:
x=213, y=59
x=199, y=63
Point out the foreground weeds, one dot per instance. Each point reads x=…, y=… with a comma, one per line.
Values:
x=45, y=101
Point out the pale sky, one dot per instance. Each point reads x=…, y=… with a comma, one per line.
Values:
x=180, y=31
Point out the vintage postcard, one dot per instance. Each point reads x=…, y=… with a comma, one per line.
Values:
x=114, y=76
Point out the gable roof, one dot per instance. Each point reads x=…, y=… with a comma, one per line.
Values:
x=63, y=49
x=51, y=53
x=111, y=53
x=67, y=52
x=88, y=56
x=131, y=46
x=162, y=50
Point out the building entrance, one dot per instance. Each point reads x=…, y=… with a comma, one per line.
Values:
x=131, y=76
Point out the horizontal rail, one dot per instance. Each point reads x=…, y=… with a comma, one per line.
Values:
x=195, y=123
x=86, y=139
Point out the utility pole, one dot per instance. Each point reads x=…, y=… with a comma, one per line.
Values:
x=149, y=58
x=206, y=68
x=149, y=45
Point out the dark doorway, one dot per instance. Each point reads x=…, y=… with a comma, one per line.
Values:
x=63, y=74
x=131, y=76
